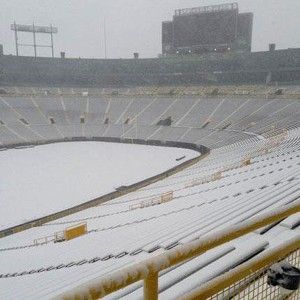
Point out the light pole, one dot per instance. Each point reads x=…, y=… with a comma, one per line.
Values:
x=105, y=40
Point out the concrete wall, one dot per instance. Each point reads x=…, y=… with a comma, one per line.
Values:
x=237, y=68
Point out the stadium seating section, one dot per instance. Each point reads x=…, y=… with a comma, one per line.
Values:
x=253, y=167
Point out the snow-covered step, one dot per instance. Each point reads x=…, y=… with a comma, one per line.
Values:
x=242, y=252
x=292, y=221
x=239, y=214
x=175, y=275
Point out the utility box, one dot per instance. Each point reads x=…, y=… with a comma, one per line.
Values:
x=70, y=233
x=1, y=49
x=75, y=231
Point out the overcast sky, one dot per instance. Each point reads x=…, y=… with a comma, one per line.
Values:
x=133, y=25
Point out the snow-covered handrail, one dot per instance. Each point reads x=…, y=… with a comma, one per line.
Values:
x=248, y=268
x=148, y=270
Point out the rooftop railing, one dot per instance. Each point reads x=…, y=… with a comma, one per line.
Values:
x=206, y=9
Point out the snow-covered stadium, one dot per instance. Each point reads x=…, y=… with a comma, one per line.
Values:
x=152, y=153
x=150, y=175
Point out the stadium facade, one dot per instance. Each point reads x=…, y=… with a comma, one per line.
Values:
x=208, y=45
x=216, y=68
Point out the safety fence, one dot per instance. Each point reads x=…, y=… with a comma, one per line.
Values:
x=43, y=240
x=211, y=90
x=256, y=278
x=69, y=233
x=205, y=179
x=270, y=142
x=148, y=271
x=218, y=175
x=163, y=198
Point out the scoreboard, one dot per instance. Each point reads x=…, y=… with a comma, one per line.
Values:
x=206, y=29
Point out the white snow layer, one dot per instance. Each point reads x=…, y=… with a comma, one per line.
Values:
x=45, y=179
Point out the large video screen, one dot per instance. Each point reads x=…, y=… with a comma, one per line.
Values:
x=205, y=29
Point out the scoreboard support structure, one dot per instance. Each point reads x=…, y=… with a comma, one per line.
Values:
x=34, y=30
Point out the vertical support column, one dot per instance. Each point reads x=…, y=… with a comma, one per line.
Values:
x=236, y=24
x=105, y=40
x=52, y=47
x=16, y=38
x=136, y=128
x=151, y=287
x=34, y=39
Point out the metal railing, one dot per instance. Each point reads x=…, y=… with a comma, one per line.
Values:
x=163, y=198
x=148, y=270
x=44, y=240
x=249, y=280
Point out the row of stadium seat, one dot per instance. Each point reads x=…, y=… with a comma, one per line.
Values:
x=119, y=236
x=213, y=122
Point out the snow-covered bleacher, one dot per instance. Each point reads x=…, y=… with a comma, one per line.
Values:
x=252, y=168
x=231, y=185
x=29, y=116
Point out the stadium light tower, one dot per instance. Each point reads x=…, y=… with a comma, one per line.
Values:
x=34, y=30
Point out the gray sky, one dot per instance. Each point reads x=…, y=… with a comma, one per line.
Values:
x=134, y=25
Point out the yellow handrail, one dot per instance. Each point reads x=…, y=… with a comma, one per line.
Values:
x=149, y=269
x=222, y=282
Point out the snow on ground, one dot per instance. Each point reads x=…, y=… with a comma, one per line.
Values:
x=45, y=179
x=124, y=237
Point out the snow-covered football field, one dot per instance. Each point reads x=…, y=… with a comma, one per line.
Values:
x=45, y=179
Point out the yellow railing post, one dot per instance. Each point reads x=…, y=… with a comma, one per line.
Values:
x=151, y=287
